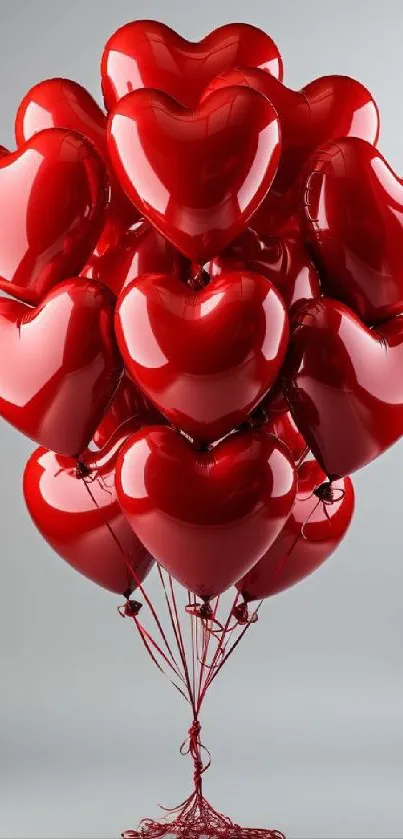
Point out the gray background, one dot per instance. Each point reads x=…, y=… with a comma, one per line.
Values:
x=306, y=724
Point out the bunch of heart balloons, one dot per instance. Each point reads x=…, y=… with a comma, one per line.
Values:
x=203, y=325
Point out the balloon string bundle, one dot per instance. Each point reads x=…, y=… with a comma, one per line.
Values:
x=191, y=665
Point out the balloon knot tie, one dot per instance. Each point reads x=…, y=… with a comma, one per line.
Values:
x=130, y=609
x=241, y=614
x=82, y=471
x=329, y=494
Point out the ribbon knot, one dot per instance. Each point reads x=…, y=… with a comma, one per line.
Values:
x=241, y=614
x=194, y=747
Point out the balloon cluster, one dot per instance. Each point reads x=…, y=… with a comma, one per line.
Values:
x=199, y=399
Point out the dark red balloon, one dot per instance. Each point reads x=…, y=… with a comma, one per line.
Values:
x=128, y=403
x=59, y=364
x=284, y=261
x=204, y=358
x=205, y=516
x=52, y=199
x=197, y=175
x=147, y=54
x=344, y=385
x=311, y=534
x=81, y=519
x=62, y=103
x=325, y=109
x=353, y=205
x=141, y=250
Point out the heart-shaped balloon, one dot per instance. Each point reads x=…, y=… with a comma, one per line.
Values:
x=59, y=364
x=205, y=358
x=205, y=516
x=141, y=250
x=344, y=385
x=80, y=517
x=52, y=199
x=284, y=261
x=148, y=54
x=128, y=403
x=353, y=206
x=217, y=165
x=325, y=109
x=311, y=534
x=62, y=103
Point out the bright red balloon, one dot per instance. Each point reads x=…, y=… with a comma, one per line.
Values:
x=284, y=261
x=217, y=165
x=205, y=358
x=141, y=250
x=62, y=103
x=147, y=54
x=354, y=220
x=128, y=403
x=59, y=364
x=205, y=516
x=325, y=109
x=81, y=519
x=344, y=385
x=52, y=200
x=311, y=534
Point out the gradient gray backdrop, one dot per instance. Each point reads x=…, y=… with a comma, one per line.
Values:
x=306, y=724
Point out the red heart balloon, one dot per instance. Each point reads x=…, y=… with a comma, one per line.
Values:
x=147, y=54
x=81, y=519
x=52, y=198
x=128, y=403
x=354, y=220
x=311, y=534
x=59, y=364
x=205, y=516
x=62, y=103
x=344, y=385
x=284, y=261
x=325, y=109
x=205, y=358
x=218, y=163
x=141, y=250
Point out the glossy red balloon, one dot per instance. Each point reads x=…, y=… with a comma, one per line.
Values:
x=141, y=250
x=128, y=403
x=325, y=109
x=81, y=518
x=217, y=165
x=311, y=534
x=59, y=364
x=147, y=54
x=62, y=103
x=205, y=358
x=353, y=205
x=284, y=261
x=52, y=199
x=344, y=385
x=205, y=516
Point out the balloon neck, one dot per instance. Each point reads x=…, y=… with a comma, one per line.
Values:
x=198, y=278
